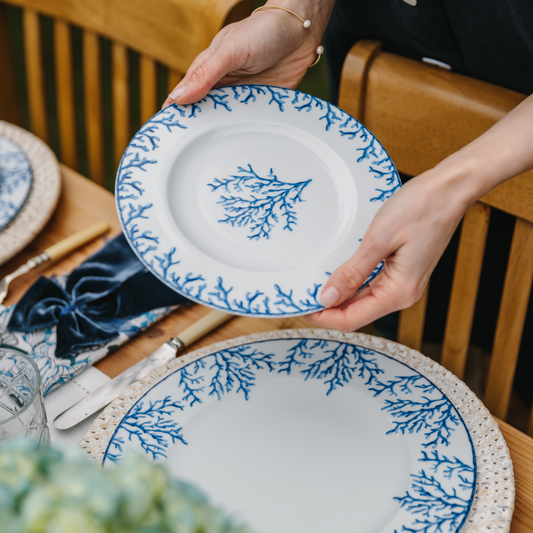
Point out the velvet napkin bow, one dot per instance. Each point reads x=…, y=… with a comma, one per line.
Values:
x=96, y=301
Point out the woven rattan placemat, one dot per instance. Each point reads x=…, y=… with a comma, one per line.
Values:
x=493, y=504
x=43, y=197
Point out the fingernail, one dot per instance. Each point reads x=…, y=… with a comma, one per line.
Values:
x=330, y=296
x=178, y=92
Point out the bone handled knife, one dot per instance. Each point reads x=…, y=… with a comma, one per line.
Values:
x=114, y=388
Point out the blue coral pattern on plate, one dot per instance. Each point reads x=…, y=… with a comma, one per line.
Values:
x=260, y=202
x=246, y=200
x=320, y=429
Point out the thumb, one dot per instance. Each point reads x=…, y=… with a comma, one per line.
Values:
x=348, y=278
x=205, y=72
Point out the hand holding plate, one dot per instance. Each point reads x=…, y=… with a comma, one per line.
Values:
x=268, y=48
x=410, y=232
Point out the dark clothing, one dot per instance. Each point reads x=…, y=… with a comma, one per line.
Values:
x=491, y=40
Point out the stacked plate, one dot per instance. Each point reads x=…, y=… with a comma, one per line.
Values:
x=30, y=184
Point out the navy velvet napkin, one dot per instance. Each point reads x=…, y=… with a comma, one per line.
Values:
x=96, y=301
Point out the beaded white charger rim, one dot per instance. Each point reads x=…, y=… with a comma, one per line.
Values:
x=493, y=504
x=43, y=197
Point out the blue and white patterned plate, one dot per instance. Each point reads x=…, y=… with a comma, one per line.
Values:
x=247, y=200
x=15, y=180
x=308, y=433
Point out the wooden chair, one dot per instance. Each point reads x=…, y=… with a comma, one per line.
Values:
x=422, y=114
x=167, y=35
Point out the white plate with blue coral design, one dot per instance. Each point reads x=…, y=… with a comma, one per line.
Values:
x=249, y=199
x=15, y=180
x=311, y=431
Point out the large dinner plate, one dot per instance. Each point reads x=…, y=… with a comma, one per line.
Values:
x=249, y=199
x=15, y=180
x=42, y=198
x=314, y=431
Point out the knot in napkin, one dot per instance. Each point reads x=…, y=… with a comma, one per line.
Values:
x=97, y=299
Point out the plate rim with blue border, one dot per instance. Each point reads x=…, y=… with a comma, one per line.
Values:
x=168, y=256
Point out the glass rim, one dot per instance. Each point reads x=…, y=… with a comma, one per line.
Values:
x=38, y=374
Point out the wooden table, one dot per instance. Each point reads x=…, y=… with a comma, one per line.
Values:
x=83, y=202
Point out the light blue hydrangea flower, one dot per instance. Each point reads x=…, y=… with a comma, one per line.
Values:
x=57, y=491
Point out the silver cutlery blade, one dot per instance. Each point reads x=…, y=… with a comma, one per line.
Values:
x=99, y=398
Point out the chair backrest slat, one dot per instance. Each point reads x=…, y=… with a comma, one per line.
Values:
x=411, y=323
x=121, y=101
x=92, y=82
x=66, y=115
x=148, y=77
x=465, y=288
x=35, y=74
x=511, y=317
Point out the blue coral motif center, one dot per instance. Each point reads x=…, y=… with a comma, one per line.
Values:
x=259, y=203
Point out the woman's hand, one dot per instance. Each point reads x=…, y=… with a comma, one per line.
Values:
x=271, y=47
x=410, y=232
